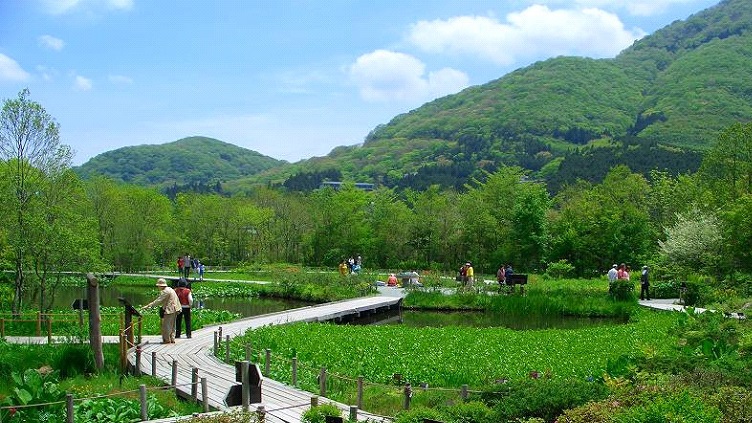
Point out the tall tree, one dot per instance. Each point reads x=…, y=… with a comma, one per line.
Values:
x=727, y=168
x=31, y=150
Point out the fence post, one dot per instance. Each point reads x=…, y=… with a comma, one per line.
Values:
x=69, y=408
x=138, y=360
x=408, y=396
x=463, y=392
x=220, y=333
x=122, y=352
x=360, y=392
x=216, y=342
x=49, y=330
x=204, y=394
x=314, y=401
x=353, y=413
x=267, y=362
x=39, y=323
x=154, y=363
x=261, y=412
x=245, y=392
x=227, y=349
x=295, y=371
x=174, y=381
x=322, y=382
x=194, y=384
x=142, y=396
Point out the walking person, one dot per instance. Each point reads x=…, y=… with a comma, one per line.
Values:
x=170, y=304
x=644, y=284
x=186, y=302
x=501, y=277
x=469, y=274
x=612, y=274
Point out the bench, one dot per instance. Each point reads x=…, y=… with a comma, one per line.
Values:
x=516, y=279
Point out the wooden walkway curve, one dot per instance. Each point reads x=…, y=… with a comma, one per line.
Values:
x=282, y=402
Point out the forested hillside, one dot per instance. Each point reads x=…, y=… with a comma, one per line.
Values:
x=194, y=163
x=656, y=106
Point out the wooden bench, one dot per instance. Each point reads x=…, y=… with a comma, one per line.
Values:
x=517, y=279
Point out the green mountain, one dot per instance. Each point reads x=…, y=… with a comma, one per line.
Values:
x=657, y=105
x=191, y=162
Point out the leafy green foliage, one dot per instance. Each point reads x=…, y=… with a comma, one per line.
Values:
x=319, y=413
x=34, y=386
x=192, y=162
x=120, y=410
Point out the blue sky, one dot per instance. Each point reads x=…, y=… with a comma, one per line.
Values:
x=289, y=79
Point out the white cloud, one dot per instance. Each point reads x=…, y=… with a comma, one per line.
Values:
x=51, y=42
x=82, y=84
x=60, y=7
x=534, y=33
x=10, y=70
x=634, y=7
x=47, y=74
x=120, y=79
x=384, y=75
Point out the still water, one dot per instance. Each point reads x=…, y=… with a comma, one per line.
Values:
x=247, y=307
x=139, y=296
x=476, y=319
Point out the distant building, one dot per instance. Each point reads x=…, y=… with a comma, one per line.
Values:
x=336, y=185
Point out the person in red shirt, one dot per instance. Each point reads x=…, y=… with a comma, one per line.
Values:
x=186, y=302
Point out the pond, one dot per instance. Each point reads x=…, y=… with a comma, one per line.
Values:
x=413, y=318
x=138, y=296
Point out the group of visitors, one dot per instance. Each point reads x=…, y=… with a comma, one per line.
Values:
x=174, y=309
x=186, y=263
x=350, y=265
x=502, y=274
x=621, y=272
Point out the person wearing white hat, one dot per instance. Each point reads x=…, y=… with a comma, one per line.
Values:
x=170, y=303
x=644, y=284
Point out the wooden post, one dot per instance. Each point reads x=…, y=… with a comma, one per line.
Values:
x=140, y=326
x=194, y=384
x=122, y=352
x=216, y=343
x=408, y=395
x=138, y=361
x=69, y=408
x=267, y=362
x=174, y=380
x=154, y=363
x=353, y=413
x=314, y=401
x=95, y=321
x=246, y=385
x=220, y=333
x=49, y=329
x=360, y=392
x=463, y=392
x=204, y=395
x=295, y=371
x=227, y=349
x=39, y=323
x=322, y=382
x=142, y=397
x=261, y=413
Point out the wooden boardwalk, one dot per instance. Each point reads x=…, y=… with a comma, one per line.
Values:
x=282, y=403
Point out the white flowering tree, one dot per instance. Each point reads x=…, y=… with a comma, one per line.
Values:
x=694, y=242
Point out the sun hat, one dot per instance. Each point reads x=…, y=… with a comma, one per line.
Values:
x=161, y=282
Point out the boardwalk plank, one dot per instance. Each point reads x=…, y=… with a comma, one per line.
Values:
x=285, y=403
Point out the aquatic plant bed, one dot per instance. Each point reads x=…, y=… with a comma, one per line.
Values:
x=452, y=356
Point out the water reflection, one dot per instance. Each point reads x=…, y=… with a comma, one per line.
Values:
x=420, y=319
x=135, y=295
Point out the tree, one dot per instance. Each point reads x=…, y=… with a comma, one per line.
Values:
x=31, y=152
x=694, y=242
x=727, y=168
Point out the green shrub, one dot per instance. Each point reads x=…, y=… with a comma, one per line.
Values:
x=560, y=269
x=543, y=398
x=621, y=290
x=34, y=387
x=318, y=414
x=592, y=412
x=677, y=407
x=735, y=404
x=119, y=410
x=418, y=414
